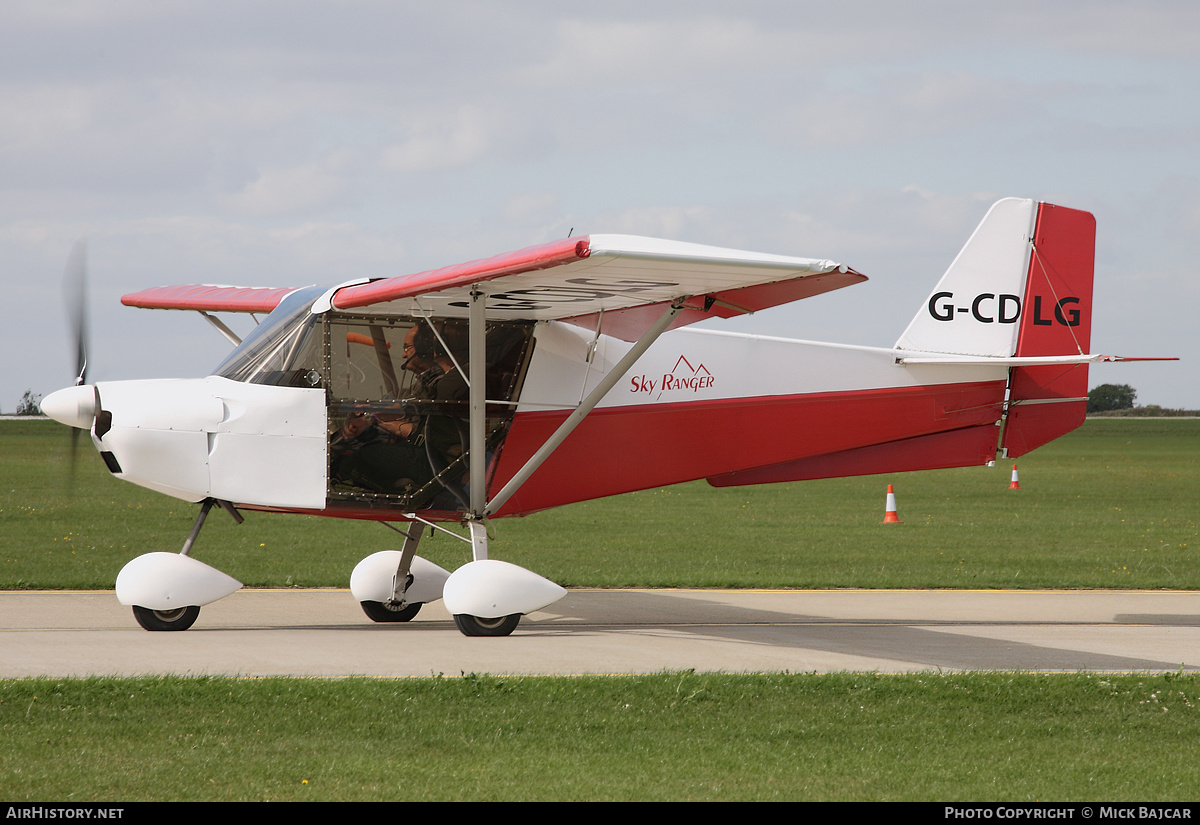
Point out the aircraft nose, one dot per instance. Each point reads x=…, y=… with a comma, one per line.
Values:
x=73, y=406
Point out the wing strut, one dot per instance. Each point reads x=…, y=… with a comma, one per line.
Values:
x=477, y=387
x=573, y=420
x=229, y=334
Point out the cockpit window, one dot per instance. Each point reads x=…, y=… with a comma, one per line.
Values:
x=399, y=409
x=285, y=349
x=369, y=359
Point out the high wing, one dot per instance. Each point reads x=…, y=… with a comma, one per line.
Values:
x=624, y=280
x=208, y=298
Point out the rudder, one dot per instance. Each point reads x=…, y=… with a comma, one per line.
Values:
x=1056, y=319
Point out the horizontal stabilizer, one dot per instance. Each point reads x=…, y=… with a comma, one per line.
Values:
x=1017, y=361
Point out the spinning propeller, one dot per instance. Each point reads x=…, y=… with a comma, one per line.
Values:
x=75, y=295
x=75, y=406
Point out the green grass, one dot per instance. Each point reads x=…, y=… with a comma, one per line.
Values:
x=682, y=736
x=1111, y=505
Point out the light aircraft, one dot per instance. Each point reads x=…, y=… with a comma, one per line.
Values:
x=561, y=373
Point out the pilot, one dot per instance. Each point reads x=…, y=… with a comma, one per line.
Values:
x=419, y=354
x=437, y=378
x=388, y=454
x=355, y=425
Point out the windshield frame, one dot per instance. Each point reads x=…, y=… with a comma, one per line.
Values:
x=290, y=326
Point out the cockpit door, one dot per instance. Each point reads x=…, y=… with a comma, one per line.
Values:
x=269, y=447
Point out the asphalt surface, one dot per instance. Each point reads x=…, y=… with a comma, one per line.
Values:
x=324, y=633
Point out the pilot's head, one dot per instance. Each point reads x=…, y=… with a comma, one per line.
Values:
x=419, y=348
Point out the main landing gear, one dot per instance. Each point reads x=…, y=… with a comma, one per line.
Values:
x=485, y=597
x=390, y=611
x=488, y=597
x=392, y=585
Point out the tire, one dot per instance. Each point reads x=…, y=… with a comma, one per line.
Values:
x=381, y=612
x=476, y=626
x=181, y=618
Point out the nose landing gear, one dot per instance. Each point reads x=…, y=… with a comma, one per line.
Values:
x=166, y=590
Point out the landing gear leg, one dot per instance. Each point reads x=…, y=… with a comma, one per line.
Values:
x=470, y=625
x=181, y=618
x=397, y=608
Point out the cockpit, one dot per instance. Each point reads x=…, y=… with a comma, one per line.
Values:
x=396, y=391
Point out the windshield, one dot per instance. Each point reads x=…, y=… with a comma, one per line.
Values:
x=285, y=349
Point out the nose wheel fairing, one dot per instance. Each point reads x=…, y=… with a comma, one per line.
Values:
x=169, y=581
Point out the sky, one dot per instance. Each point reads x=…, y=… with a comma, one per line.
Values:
x=292, y=143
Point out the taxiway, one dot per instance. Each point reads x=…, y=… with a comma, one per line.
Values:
x=323, y=633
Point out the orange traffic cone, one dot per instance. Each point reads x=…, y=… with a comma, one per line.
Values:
x=1014, y=484
x=889, y=515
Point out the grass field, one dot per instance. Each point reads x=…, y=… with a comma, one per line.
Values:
x=681, y=736
x=1110, y=505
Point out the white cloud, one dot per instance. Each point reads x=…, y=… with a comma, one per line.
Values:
x=595, y=54
x=443, y=140
x=291, y=191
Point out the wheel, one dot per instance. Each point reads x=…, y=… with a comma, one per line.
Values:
x=384, y=612
x=477, y=626
x=181, y=618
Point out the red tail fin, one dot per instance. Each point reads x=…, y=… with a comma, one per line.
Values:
x=1056, y=319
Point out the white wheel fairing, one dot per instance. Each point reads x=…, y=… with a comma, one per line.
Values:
x=371, y=580
x=490, y=589
x=169, y=581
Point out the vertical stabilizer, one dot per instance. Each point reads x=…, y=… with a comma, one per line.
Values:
x=1022, y=286
x=977, y=305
